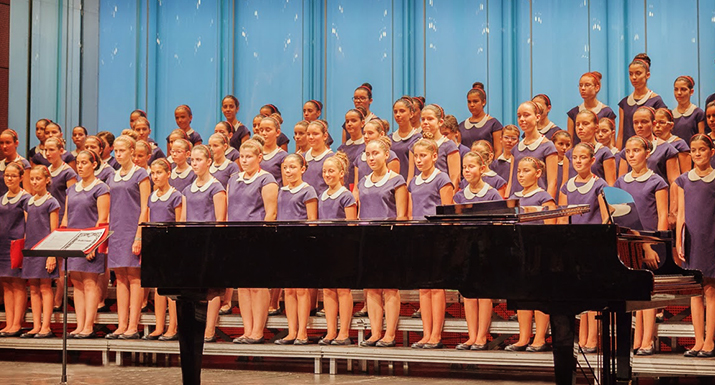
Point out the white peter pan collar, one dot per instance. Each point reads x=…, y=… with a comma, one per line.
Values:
x=571, y=185
x=397, y=138
x=632, y=100
x=191, y=131
x=213, y=168
x=334, y=195
x=170, y=159
x=39, y=201
x=175, y=174
x=629, y=177
x=102, y=167
x=310, y=157
x=689, y=111
x=294, y=189
x=58, y=170
x=614, y=150
x=270, y=155
x=599, y=107
x=195, y=187
x=369, y=183
x=693, y=176
x=13, y=200
x=504, y=158
x=441, y=141
x=654, y=144
x=546, y=128
x=672, y=139
x=4, y=162
x=242, y=174
x=419, y=180
x=118, y=177
x=597, y=147
x=490, y=173
x=479, y=194
x=469, y=125
x=79, y=186
x=533, y=146
x=155, y=195
x=351, y=142
x=229, y=150
x=522, y=195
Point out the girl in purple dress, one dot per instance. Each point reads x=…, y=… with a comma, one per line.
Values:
x=545, y=126
x=252, y=196
x=107, y=157
x=585, y=188
x=528, y=172
x=588, y=86
x=490, y=177
x=300, y=135
x=130, y=189
x=695, y=238
x=312, y=109
x=174, y=136
x=448, y=160
x=183, y=175
x=271, y=110
x=221, y=168
x=205, y=201
x=502, y=164
x=143, y=129
x=79, y=136
x=535, y=145
x=355, y=146
x=40, y=135
x=237, y=132
x=297, y=201
x=53, y=130
x=87, y=206
x=8, y=146
x=183, y=117
x=316, y=155
x=273, y=155
x=134, y=115
x=227, y=129
x=663, y=129
x=638, y=74
x=12, y=227
x=650, y=194
x=604, y=163
x=42, y=218
x=382, y=195
x=403, y=110
x=164, y=205
x=477, y=312
x=710, y=119
x=605, y=135
x=562, y=142
x=428, y=190
x=63, y=176
x=480, y=126
x=362, y=97
x=337, y=203
x=96, y=145
x=689, y=119
x=418, y=102
x=374, y=130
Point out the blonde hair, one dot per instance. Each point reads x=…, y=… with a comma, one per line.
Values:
x=274, y=118
x=58, y=141
x=127, y=139
x=341, y=160
x=45, y=172
x=183, y=142
x=383, y=142
x=255, y=144
x=205, y=151
x=484, y=149
x=538, y=164
x=478, y=157
x=320, y=123
x=145, y=145
x=428, y=144
x=130, y=133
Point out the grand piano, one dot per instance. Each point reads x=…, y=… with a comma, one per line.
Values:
x=481, y=250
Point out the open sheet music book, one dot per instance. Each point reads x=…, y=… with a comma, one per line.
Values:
x=85, y=240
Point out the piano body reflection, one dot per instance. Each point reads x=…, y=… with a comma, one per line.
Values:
x=562, y=270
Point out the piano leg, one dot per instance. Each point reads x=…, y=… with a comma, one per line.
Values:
x=562, y=336
x=191, y=316
x=624, y=347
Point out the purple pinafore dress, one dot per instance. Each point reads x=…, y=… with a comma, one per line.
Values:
x=332, y=206
x=245, y=197
x=291, y=202
x=12, y=227
x=601, y=154
x=629, y=105
x=539, y=149
x=601, y=111
x=481, y=130
x=686, y=124
x=223, y=171
x=352, y=149
x=58, y=188
x=580, y=193
x=36, y=229
x=402, y=148
x=643, y=189
x=364, y=169
x=487, y=193
x=657, y=161
x=82, y=214
x=124, y=212
x=272, y=162
x=425, y=193
x=699, y=230
x=200, y=202
x=182, y=180
x=314, y=171
x=162, y=208
x=537, y=197
x=104, y=172
x=377, y=199
x=232, y=154
x=501, y=165
x=3, y=165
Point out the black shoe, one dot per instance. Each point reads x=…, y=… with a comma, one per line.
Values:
x=463, y=346
x=324, y=341
x=691, y=353
x=112, y=336
x=417, y=314
x=536, y=349
x=57, y=309
x=320, y=313
x=210, y=339
x=515, y=348
x=589, y=350
x=344, y=342
x=133, y=336
x=175, y=337
x=252, y=341
x=11, y=334
x=28, y=335
x=150, y=337
x=647, y=352
x=225, y=312
x=103, y=309
x=86, y=336
x=659, y=318
x=478, y=347
x=708, y=354
x=368, y=343
x=513, y=317
x=274, y=312
x=383, y=344
x=284, y=342
x=46, y=335
x=360, y=313
x=438, y=345
x=301, y=342
x=417, y=345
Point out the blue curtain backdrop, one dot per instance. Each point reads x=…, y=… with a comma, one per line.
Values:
x=158, y=54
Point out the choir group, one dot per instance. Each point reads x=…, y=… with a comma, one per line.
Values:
x=663, y=157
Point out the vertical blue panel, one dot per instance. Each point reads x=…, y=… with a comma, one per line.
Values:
x=187, y=65
x=521, y=60
x=672, y=44
x=19, y=71
x=598, y=50
x=46, y=67
x=118, y=61
x=706, y=77
x=359, y=50
x=496, y=36
x=269, y=59
x=560, y=56
x=626, y=38
x=456, y=53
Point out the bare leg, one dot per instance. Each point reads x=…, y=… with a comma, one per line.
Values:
x=47, y=303
x=103, y=285
x=638, y=333
x=439, y=303
x=79, y=301
x=374, y=312
x=259, y=307
x=648, y=328
x=485, y=320
x=20, y=294
x=275, y=299
x=592, y=340
x=122, y=299
x=304, y=307
x=471, y=314
x=709, y=344
x=524, y=317
x=212, y=317
x=392, y=313
x=35, y=305
x=426, y=315
x=226, y=300
x=92, y=295
x=245, y=305
x=542, y=324
x=345, y=302
x=160, y=304
x=697, y=311
x=136, y=295
x=291, y=302
x=172, y=328
x=330, y=306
